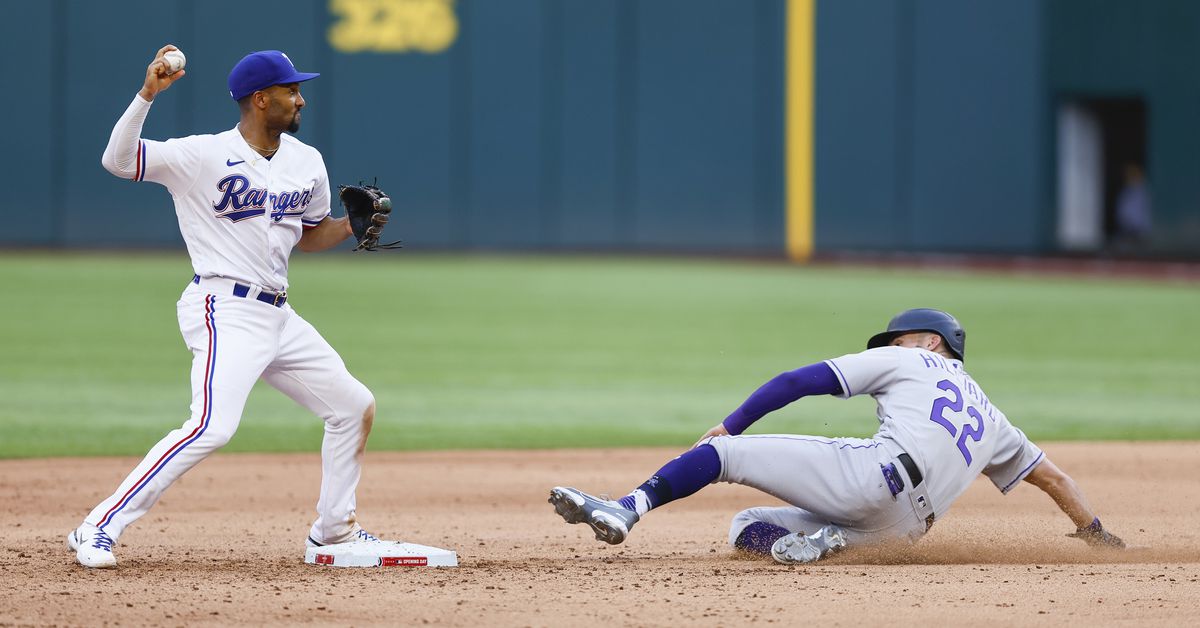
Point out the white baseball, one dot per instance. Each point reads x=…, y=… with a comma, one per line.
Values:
x=175, y=60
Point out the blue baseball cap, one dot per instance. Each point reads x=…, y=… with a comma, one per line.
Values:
x=260, y=70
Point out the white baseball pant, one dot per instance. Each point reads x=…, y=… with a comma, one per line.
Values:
x=234, y=341
x=826, y=480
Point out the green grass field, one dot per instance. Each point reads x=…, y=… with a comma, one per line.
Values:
x=535, y=352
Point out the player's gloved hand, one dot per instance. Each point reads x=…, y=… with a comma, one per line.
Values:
x=367, y=208
x=1096, y=536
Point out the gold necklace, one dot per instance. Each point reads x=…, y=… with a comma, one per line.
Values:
x=257, y=148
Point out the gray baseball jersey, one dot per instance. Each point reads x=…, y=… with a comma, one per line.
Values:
x=935, y=411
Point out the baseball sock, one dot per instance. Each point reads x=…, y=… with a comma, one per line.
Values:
x=759, y=536
x=686, y=474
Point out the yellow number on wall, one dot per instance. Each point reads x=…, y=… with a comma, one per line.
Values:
x=395, y=26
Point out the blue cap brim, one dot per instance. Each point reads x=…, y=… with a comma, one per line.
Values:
x=300, y=77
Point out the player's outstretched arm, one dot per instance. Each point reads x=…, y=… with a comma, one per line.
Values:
x=1067, y=495
x=814, y=379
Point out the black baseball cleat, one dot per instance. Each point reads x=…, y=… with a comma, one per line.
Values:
x=609, y=520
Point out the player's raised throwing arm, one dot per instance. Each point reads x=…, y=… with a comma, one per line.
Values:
x=1066, y=494
x=122, y=155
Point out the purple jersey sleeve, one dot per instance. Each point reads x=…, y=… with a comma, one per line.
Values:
x=814, y=379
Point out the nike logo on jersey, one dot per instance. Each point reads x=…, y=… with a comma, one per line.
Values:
x=234, y=163
x=240, y=201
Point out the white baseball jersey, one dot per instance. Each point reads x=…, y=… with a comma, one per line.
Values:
x=936, y=413
x=240, y=214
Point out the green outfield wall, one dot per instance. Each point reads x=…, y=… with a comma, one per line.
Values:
x=767, y=127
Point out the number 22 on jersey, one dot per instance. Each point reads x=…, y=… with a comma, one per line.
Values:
x=954, y=403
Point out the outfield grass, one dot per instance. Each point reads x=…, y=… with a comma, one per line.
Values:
x=469, y=352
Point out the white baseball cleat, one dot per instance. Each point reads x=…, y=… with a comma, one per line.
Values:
x=798, y=548
x=92, y=547
x=358, y=535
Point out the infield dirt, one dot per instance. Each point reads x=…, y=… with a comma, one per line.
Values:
x=225, y=547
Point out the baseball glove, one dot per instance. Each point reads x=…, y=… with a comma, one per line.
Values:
x=1096, y=536
x=367, y=207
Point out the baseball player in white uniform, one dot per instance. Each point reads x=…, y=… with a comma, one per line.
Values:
x=938, y=431
x=244, y=198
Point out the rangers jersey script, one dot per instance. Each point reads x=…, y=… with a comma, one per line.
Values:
x=935, y=412
x=240, y=213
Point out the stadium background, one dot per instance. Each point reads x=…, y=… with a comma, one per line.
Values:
x=601, y=203
x=699, y=126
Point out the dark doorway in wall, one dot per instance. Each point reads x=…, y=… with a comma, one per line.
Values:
x=1102, y=173
x=1123, y=130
